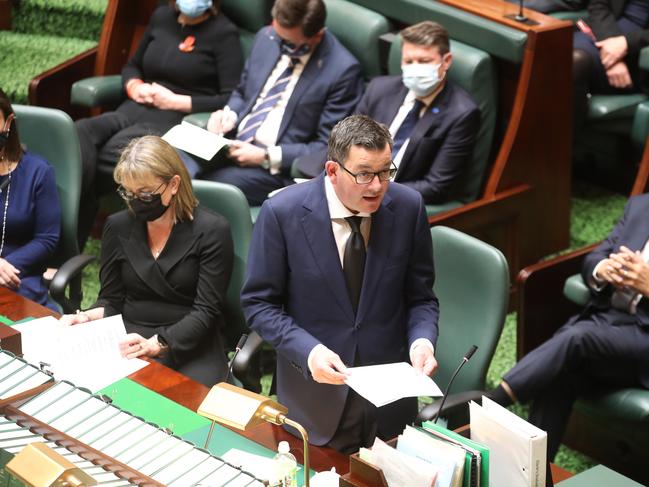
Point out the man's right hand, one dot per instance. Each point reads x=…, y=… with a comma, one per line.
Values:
x=221, y=121
x=326, y=366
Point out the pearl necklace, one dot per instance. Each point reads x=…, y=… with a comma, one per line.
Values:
x=4, y=218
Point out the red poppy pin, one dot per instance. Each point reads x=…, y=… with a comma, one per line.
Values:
x=188, y=44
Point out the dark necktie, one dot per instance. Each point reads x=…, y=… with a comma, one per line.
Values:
x=260, y=112
x=354, y=260
x=406, y=127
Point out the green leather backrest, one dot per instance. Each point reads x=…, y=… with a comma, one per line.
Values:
x=496, y=39
x=50, y=133
x=230, y=202
x=249, y=16
x=358, y=29
x=474, y=71
x=472, y=285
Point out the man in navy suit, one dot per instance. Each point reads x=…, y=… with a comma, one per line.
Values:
x=340, y=273
x=297, y=83
x=433, y=121
x=606, y=345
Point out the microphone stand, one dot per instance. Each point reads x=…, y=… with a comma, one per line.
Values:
x=465, y=359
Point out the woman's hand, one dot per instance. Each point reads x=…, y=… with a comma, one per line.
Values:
x=135, y=345
x=165, y=99
x=142, y=93
x=8, y=275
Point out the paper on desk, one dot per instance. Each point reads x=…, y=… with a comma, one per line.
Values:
x=260, y=466
x=401, y=469
x=86, y=354
x=383, y=384
x=195, y=140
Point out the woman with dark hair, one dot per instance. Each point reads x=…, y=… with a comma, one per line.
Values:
x=606, y=51
x=188, y=60
x=165, y=265
x=29, y=212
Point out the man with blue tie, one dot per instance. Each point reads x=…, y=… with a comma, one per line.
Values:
x=340, y=273
x=297, y=83
x=433, y=121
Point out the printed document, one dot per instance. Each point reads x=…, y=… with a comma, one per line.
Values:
x=383, y=384
x=195, y=140
x=86, y=354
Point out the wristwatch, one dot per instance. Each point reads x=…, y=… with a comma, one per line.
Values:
x=266, y=162
x=162, y=343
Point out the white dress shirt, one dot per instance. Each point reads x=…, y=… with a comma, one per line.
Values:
x=267, y=132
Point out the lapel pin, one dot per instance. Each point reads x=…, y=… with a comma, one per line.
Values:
x=435, y=110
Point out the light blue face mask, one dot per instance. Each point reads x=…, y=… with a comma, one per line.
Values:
x=193, y=8
x=421, y=79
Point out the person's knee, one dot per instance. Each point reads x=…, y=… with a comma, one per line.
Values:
x=582, y=65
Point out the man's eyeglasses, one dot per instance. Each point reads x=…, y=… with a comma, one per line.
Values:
x=365, y=177
x=145, y=196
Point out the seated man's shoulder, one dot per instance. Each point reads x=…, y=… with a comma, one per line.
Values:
x=343, y=58
x=387, y=85
x=462, y=99
x=292, y=197
x=404, y=196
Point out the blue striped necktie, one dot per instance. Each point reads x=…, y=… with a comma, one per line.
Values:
x=257, y=116
x=404, y=131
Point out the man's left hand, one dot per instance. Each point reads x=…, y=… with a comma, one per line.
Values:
x=635, y=272
x=612, y=50
x=423, y=360
x=245, y=154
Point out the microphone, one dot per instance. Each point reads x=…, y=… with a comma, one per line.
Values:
x=237, y=349
x=465, y=359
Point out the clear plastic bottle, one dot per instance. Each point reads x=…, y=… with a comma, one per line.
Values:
x=285, y=467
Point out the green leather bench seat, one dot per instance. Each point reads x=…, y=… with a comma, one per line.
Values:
x=570, y=15
x=576, y=291
x=496, y=39
x=358, y=29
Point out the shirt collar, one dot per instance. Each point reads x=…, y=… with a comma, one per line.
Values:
x=336, y=207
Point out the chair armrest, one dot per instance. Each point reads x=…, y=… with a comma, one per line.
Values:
x=449, y=205
x=643, y=59
x=97, y=91
x=243, y=362
x=199, y=119
x=455, y=403
x=69, y=271
x=576, y=290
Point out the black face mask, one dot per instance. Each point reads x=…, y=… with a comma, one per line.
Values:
x=148, y=211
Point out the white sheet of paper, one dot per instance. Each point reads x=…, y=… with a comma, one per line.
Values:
x=401, y=469
x=86, y=354
x=383, y=384
x=195, y=140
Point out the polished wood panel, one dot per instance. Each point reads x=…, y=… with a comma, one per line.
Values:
x=5, y=15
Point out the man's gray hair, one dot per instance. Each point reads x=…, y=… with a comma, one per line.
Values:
x=357, y=130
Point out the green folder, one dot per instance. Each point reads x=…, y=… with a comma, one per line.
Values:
x=484, y=453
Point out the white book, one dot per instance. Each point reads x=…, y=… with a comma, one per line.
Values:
x=518, y=449
x=195, y=140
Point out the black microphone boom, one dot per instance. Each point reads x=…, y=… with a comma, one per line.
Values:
x=465, y=359
x=240, y=344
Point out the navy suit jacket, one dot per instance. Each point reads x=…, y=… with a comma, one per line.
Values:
x=632, y=231
x=295, y=297
x=441, y=144
x=328, y=90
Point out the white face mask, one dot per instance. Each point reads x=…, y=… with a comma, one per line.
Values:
x=422, y=79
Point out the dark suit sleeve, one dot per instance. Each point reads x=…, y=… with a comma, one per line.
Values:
x=610, y=245
x=264, y=292
x=451, y=160
x=422, y=304
x=216, y=258
x=112, y=291
x=602, y=19
x=343, y=96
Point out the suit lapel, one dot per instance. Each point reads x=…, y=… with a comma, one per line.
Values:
x=311, y=71
x=378, y=252
x=153, y=273
x=391, y=106
x=262, y=70
x=427, y=124
x=316, y=223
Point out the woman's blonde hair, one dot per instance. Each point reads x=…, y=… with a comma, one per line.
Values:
x=151, y=156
